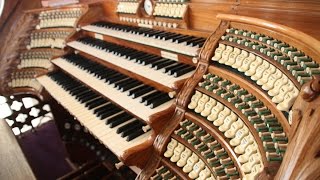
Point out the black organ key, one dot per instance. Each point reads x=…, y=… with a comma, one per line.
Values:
x=183, y=71
x=148, y=101
x=184, y=40
x=126, y=87
x=110, y=112
x=117, y=120
x=176, y=68
x=169, y=37
x=87, y=98
x=157, y=102
x=137, y=55
x=149, y=96
x=180, y=39
x=97, y=104
x=115, y=78
x=135, y=134
x=154, y=64
x=132, y=129
x=126, y=126
x=100, y=109
x=165, y=64
x=151, y=60
x=94, y=102
x=142, y=91
x=143, y=58
x=173, y=67
x=123, y=81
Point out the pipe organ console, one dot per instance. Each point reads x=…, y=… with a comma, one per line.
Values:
x=237, y=99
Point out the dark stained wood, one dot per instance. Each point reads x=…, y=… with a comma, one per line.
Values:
x=152, y=164
x=8, y=9
x=312, y=91
x=13, y=163
x=138, y=155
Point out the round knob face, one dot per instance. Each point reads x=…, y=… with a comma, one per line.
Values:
x=148, y=7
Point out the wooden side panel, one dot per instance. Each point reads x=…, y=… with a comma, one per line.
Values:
x=300, y=15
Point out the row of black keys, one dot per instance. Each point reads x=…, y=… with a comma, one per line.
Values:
x=134, y=88
x=171, y=67
x=156, y=34
x=101, y=107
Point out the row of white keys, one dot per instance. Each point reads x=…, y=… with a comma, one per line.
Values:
x=132, y=105
x=35, y=62
x=97, y=127
x=145, y=71
x=187, y=160
x=179, y=48
x=232, y=126
x=271, y=79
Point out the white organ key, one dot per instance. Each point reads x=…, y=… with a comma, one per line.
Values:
x=218, y=52
x=277, y=85
x=253, y=66
x=194, y=100
x=240, y=58
x=184, y=157
x=215, y=111
x=241, y=133
x=208, y=106
x=232, y=58
x=201, y=103
x=272, y=79
x=247, y=62
x=266, y=74
x=225, y=54
x=260, y=69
